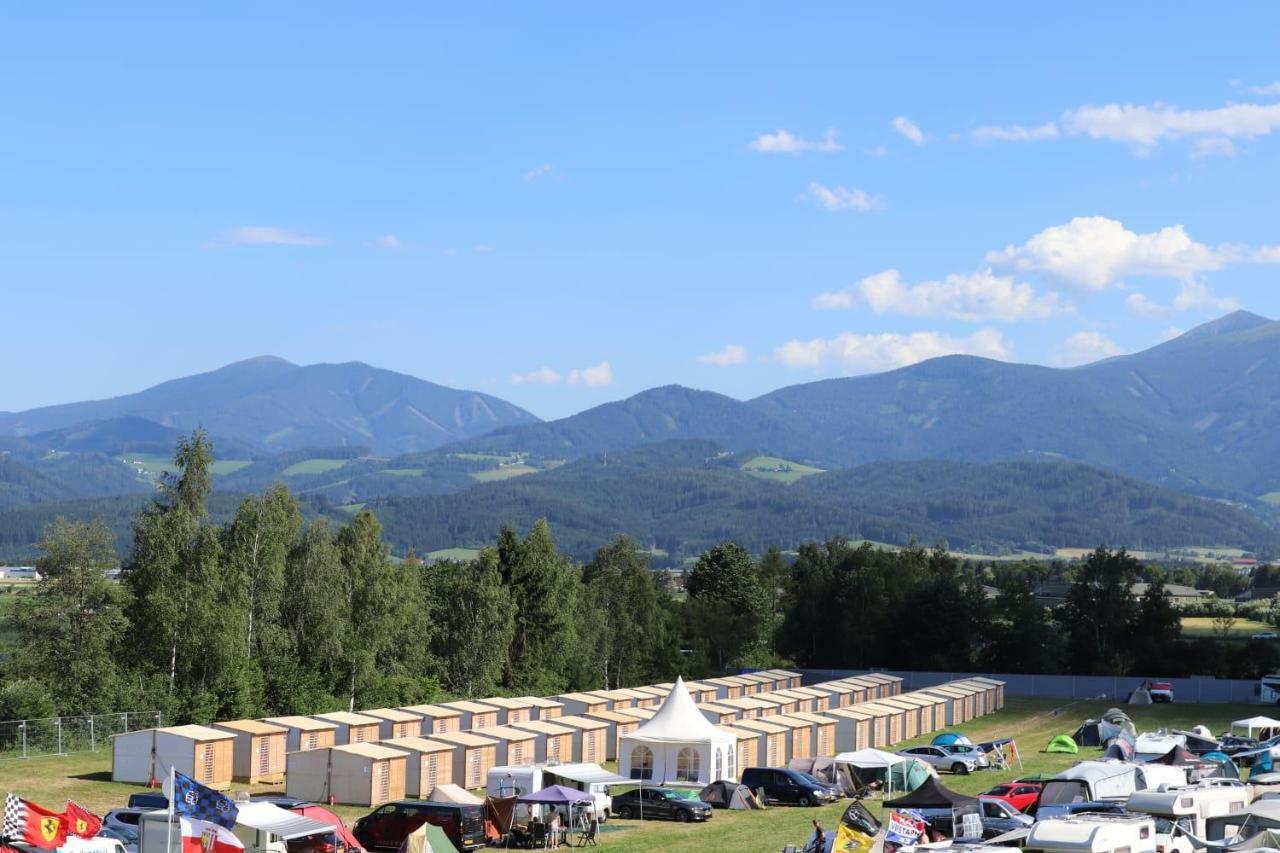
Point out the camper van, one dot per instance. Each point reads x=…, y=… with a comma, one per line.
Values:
x=1182, y=811
x=1269, y=689
x=1086, y=782
x=1094, y=834
x=516, y=781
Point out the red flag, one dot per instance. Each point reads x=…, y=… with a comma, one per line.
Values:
x=81, y=822
x=25, y=821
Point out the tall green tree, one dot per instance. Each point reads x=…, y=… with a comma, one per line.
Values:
x=315, y=618
x=728, y=608
x=544, y=586
x=1100, y=612
x=475, y=622
x=73, y=624
x=625, y=608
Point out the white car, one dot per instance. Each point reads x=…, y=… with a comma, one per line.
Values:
x=1266, y=635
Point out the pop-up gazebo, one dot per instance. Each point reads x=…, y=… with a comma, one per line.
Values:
x=1257, y=727
x=678, y=744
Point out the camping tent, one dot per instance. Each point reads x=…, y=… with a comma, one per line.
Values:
x=828, y=770
x=1264, y=726
x=965, y=815
x=950, y=739
x=323, y=815
x=1119, y=718
x=427, y=838
x=678, y=745
x=451, y=793
x=1062, y=743
x=1139, y=696
x=1120, y=749
x=873, y=764
x=729, y=795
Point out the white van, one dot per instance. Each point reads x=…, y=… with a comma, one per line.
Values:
x=1186, y=810
x=1094, y=834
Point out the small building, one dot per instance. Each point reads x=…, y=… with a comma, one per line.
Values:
x=748, y=747
x=894, y=719
x=428, y=763
x=515, y=747
x=771, y=744
x=997, y=691
x=910, y=715
x=750, y=707
x=746, y=686
x=841, y=693
x=700, y=692
x=474, y=714
x=821, y=698
x=784, y=702
x=588, y=738
x=396, y=723
x=554, y=742
x=886, y=685
x=436, y=719
x=352, y=727
x=822, y=738
x=640, y=714
x=616, y=699
x=510, y=710
x=257, y=754
x=303, y=733
x=649, y=696
x=619, y=725
x=356, y=774
x=854, y=728
x=145, y=756
x=799, y=734
x=473, y=755
x=764, y=683
x=720, y=715
x=583, y=703
x=724, y=688
x=543, y=708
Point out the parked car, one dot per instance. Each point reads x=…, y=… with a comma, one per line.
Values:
x=127, y=836
x=148, y=800
x=967, y=750
x=941, y=759
x=1020, y=795
x=280, y=800
x=388, y=826
x=655, y=803
x=1070, y=809
x=126, y=818
x=1266, y=635
x=999, y=817
x=779, y=785
x=1161, y=691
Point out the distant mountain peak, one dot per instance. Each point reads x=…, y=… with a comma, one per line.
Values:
x=1227, y=324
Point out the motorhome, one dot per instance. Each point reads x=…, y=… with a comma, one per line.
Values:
x=1185, y=811
x=1094, y=834
x=1089, y=781
x=517, y=781
x=1151, y=745
x=1254, y=819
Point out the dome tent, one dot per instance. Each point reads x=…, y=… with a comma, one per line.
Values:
x=678, y=745
x=1062, y=743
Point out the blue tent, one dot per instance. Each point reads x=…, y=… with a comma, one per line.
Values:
x=949, y=738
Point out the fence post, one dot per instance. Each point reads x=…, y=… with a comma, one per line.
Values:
x=93, y=744
x=22, y=726
x=58, y=723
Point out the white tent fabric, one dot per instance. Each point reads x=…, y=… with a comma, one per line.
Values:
x=268, y=817
x=678, y=744
x=871, y=759
x=1253, y=724
x=449, y=793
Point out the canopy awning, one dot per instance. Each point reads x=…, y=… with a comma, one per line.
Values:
x=866, y=758
x=556, y=795
x=588, y=774
x=268, y=817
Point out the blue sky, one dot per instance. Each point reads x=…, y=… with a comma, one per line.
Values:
x=566, y=204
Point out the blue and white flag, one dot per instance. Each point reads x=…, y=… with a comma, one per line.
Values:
x=188, y=798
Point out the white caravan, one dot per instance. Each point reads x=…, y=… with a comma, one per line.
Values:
x=1269, y=689
x=1094, y=834
x=1180, y=812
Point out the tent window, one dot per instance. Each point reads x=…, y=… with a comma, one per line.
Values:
x=687, y=765
x=719, y=765
x=642, y=763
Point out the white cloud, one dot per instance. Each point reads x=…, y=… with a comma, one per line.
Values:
x=541, y=376
x=1269, y=90
x=1016, y=133
x=1146, y=126
x=784, y=142
x=387, y=241
x=1194, y=296
x=908, y=129
x=1171, y=333
x=839, y=198
x=261, y=235
x=979, y=296
x=596, y=377
x=852, y=353
x=1213, y=146
x=542, y=170
x=1085, y=348
x=731, y=354
x=1094, y=252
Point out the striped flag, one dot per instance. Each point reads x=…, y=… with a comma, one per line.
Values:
x=31, y=824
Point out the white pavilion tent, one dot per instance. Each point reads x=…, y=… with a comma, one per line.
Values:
x=873, y=759
x=678, y=745
x=1261, y=725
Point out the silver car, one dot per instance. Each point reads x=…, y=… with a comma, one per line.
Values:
x=940, y=758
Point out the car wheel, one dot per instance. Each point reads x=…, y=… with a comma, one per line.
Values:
x=804, y=802
x=625, y=812
x=959, y=769
x=682, y=815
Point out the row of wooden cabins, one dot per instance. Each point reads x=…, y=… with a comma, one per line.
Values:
x=408, y=751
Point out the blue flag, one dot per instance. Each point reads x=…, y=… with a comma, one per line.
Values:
x=200, y=802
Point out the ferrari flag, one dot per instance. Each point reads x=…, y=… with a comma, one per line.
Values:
x=28, y=823
x=81, y=822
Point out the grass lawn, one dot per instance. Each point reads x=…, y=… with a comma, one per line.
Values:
x=1202, y=626
x=504, y=473
x=403, y=472
x=459, y=554
x=1032, y=722
x=229, y=466
x=151, y=464
x=777, y=469
x=313, y=466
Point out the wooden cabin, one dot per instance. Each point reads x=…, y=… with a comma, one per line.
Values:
x=394, y=723
x=619, y=725
x=794, y=679
x=771, y=749
x=437, y=719
x=352, y=727
x=822, y=739
x=722, y=687
x=649, y=697
x=510, y=710
x=203, y=753
x=804, y=701
x=996, y=689
x=303, y=733
x=979, y=694
x=909, y=712
x=553, y=742
x=428, y=763
x=750, y=707
x=515, y=747
x=894, y=721
x=583, y=703
x=473, y=755
x=747, y=750
x=841, y=693
x=356, y=774
x=257, y=755
x=589, y=736
x=799, y=735
x=544, y=709
x=888, y=685
x=614, y=699
x=781, y=703
x=955, y=705
x=720, y=715
x=474, y=714
x=854, y=728
x=700, y=691
x=863, y=690
x=763, y=683
x=745, y=686
x=640, y=714
x=821, y=699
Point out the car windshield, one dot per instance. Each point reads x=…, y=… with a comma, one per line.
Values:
x=812, y=780
x=1000, y=790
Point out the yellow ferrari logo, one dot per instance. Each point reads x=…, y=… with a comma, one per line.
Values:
x=49, y=827
x=82, y=826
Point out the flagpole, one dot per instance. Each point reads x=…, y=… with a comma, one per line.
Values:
x=168, y=838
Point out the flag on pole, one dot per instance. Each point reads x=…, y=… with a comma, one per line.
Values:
x=202, y=836
x=188, y=798
x=32, y=824
x=81, y=822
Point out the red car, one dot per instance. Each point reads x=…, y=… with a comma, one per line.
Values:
x=1020, y=795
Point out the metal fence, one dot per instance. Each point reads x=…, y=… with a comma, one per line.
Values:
x=1118, y=687
x=64, y=735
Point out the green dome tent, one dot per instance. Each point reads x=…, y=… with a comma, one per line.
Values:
x=1062, y=743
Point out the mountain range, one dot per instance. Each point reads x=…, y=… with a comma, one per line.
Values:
x=1196, y=415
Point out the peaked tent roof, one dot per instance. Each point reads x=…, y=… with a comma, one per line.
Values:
x=867, y=758
x=1257, y=723
x=932, y=794
x=556, y=795
x=678, y=721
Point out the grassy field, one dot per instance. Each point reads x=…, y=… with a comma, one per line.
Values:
x=86, y=778
x=506, y=472
x=1202, y=626
x=777, y=469
x=229, y=466
x=403, y=472
x=313, y=466
x=454, y=554
x=153, y=464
